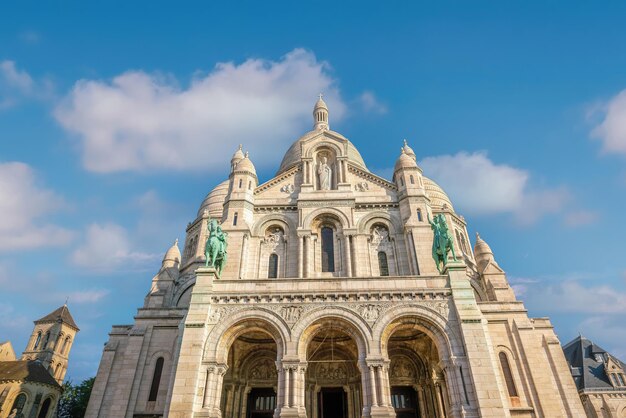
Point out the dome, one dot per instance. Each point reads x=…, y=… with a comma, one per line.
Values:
x=320, y=104
x=214, y=201
x=238, y=155
x=294, y=153
x=404, y=161
x=409, y=151
x=438, y=198
x=172, y=256
x=481, y=248
x=245, y=165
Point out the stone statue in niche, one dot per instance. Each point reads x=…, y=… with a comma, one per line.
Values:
x=325, y=174
x=380, y=236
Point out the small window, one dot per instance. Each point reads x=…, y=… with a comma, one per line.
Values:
x=66, y=344
x=43, y=412
x=46, y=340
x=328, y=250
x=250, y=185
x=240, y=183
x=620, y=377
x=419, y=215
x=19, y=403
x=272, y=270
x=382, y=263
x=508, y=376
x=235, y=216
x=156, y=380
x=401, y=181
x=412, y=179
x=37, y=341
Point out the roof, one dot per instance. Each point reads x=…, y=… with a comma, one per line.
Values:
x=61, y=314
x=588, y=373
x=26, y=371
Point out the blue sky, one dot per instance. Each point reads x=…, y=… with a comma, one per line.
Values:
x=116, y=119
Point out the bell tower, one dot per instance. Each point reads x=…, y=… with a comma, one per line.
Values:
x=51, y=341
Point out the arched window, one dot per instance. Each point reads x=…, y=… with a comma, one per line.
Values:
x=37, y=341
x=412, y=179
x=45, y=407
x=419, y=215
x=46, y=340
x=66, y=345
x=235, y=216
x=508, y=376
x=56, y=370
x=328, y=250
x=382, y=263
x=19, y=403
x=156, y=380
x=272, y=269
x=57, y=343
x=240, y=183
x=249, y=185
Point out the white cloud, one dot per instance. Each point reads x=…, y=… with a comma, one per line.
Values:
x=23, y=204
x=106, y=247
x=370, y=103
x=612, y=130
x=140, y=121
x=479, y=186
x=87, y=296
x=574, y=297
x=580, y=218
x=16, y=85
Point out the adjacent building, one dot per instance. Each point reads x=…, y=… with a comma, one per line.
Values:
x=331, y=305
x=31, y=386
x=599, y=377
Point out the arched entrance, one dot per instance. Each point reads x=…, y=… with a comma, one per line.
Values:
x=250, y=384
x=333, y=380
x=417, y=382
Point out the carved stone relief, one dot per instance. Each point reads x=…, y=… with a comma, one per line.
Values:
x=331, y=371
x=291, y=313
x=264, y=369
x=288, y=188
x=361, y=186
x=402, y=368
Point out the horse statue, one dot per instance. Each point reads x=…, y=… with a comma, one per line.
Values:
x=215, y=249
x=442, y=241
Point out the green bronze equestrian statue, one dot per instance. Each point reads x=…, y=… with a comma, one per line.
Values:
x=442, y=241
x=215, y=249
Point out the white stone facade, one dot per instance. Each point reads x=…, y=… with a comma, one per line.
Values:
x=330, y=304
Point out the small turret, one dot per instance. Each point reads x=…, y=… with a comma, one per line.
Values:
x=237, y=156
x=482, y=253
x=320, y=115
x=409, y=151
x=172, y=257
x=242, y=182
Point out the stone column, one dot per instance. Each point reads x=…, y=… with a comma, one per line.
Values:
x=300, y=256
x=348, y=256
x=373, y=395
x=421, y=399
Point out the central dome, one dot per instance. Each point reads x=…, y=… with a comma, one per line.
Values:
x=293, y=155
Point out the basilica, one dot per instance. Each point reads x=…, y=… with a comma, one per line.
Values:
x=332, y=293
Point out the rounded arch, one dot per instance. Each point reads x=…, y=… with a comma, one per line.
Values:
x=480, y=294
x=182, y=290
x=341, y=318
x=311, y=217
x=434, y=325
x=45, y=407
x=266, y=221
x=257, y=319
x=366, y=223
x=324, y=144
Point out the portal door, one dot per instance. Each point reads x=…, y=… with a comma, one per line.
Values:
x=332, y=403
x=404, y=401
x=261, y=403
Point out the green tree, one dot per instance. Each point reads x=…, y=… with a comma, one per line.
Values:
x=73, y=402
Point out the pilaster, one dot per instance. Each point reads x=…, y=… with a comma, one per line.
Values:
x=477, y=343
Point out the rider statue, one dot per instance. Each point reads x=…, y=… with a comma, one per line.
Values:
x=442, y=241
x=215, y=249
